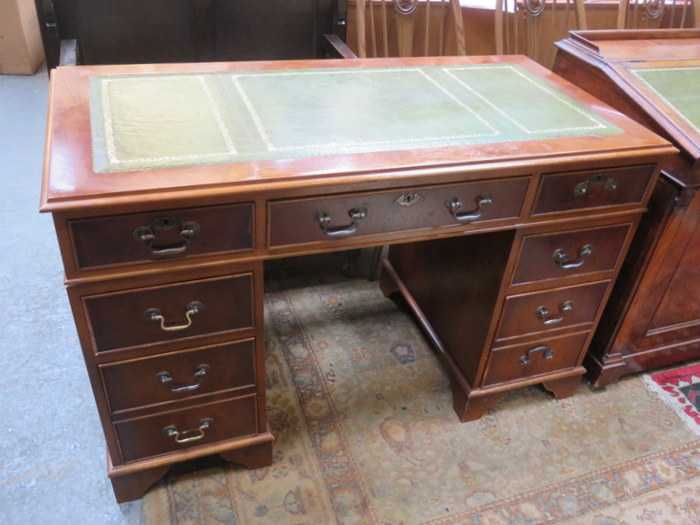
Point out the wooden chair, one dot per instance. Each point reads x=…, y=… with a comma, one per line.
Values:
x=648, y=14
x=403, y=28
x=522, y=25
x=137, y=31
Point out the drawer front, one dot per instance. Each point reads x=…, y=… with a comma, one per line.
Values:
x=182, y=429
x=178, y=375
x=564, y=254
x=589, y=189
x=166, y=313
x=533, y=359
x=161, y=235
x=327, y=218
x=539, y=311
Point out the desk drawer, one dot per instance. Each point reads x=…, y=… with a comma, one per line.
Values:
x=178, y=375
x=539, y=311
x=201, y=425
x=327, y=218
x=533, y=359
x=564, y=254
x=165, y=313
x=161, y=235
x=589, y=189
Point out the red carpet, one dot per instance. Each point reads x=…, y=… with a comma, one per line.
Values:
x=680, y=389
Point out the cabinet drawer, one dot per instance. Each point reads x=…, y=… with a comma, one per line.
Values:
x=320, y=219
x=166, y=313
x=179, y=375
x=201, y=425
x=535, y=312
x=563, y=254
x=533, y=359
x=161, y=235
x=589, y=189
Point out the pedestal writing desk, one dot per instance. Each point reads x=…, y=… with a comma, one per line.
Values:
x=653, y=318
x=170, y=185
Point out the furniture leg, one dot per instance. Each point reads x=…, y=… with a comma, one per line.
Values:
x=387, y=285
x=350, y=266
x=254, y=456
x=133, y=486
x=605, y=373
x=563, y=388
x=471, y=409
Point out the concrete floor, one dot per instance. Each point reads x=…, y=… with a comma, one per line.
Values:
x=52, y=452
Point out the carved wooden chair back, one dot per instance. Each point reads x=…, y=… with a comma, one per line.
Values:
x=652, y=14
x=527, y=26
x=409, y=28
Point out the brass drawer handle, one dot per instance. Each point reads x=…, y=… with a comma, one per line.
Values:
x=324, y=220
x=454, y=204
x=548, y=354
x=582, y=187
x=173, y=432
x=543, y=314
x=562, y=259
x=147, y=235
x=200, y=371
x=155, y=315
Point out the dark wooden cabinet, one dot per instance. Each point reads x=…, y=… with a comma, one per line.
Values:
x=155, y=31
x=653, y=318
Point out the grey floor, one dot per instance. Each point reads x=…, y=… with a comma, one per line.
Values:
x=52, y=454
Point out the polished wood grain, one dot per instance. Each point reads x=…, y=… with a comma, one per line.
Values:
x=145, y=437
x=538, y=259
x=114, y=240
x=296, y=221
x=532, y=359
x=457, y=274
x=573, y=191
x=456, y=282
x=653, y=317
x=226, y=305
x=550, y=310
x=226, y=367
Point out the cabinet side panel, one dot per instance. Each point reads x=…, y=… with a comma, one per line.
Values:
x=456, y=283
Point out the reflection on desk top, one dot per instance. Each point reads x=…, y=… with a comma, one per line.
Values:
x=231, y=127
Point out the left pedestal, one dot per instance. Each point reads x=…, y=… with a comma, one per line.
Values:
x=172, y=341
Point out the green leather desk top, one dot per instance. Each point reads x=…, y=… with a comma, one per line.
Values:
x=150, y=121
x=678, y=87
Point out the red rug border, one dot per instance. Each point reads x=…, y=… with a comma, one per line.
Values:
x=667, y=384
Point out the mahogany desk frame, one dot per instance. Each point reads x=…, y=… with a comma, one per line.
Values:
x=500, y=321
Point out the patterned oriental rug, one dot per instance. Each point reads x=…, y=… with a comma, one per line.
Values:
x=365, y=434
x=680, y=390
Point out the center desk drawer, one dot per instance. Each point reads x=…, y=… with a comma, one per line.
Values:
x=179, y=375
x=165, y=313
x=160, y=235
x=319, y=219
